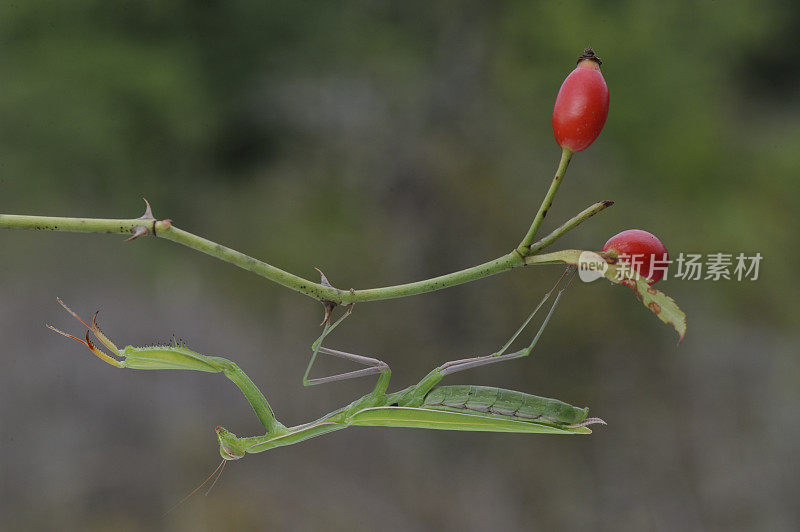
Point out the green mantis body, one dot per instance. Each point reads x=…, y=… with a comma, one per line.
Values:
x=423, y=405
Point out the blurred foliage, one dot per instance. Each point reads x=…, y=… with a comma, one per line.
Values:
x=344, y=109
x=387, y=142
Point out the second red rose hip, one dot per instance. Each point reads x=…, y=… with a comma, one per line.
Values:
x=642, y=250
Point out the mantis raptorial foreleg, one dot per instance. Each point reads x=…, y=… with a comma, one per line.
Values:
x=174, y=357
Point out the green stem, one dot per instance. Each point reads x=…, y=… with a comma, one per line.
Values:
x=565, y=256
x=524, y=248
x=164, y=229
x=72, y=225
x=492, y=267
x=569, y=225
x=246, y=262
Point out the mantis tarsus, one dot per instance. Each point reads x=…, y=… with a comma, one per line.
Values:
x=423, y=405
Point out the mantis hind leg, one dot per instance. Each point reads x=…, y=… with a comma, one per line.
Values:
x=454, y=366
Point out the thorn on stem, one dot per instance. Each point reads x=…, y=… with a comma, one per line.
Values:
x=138, y=231
x=142, y=230
x=148, y=212
x=322, y=279
x=329, y=306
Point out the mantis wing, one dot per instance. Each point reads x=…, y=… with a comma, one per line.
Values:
x=423, y=418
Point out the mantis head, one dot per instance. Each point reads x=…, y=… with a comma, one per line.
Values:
x=230, y=447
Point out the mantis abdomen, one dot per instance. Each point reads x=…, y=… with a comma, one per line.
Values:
x=506, y=403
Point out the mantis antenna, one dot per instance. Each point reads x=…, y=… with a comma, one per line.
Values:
x=220, y=468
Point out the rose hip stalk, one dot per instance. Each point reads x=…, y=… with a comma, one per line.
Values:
x=640, y=249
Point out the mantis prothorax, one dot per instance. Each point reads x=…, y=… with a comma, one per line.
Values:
x=423, y=405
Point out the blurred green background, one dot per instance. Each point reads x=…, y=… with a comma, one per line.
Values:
x=389, y=142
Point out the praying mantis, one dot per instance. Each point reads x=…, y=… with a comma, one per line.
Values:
x=423, y=405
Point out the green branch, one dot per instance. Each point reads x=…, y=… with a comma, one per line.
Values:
x=147, y=225
x=524, y=248
x=571, y=224
x=318, y=291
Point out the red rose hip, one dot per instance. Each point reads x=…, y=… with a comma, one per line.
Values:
x=581, y=105
x=641, y=249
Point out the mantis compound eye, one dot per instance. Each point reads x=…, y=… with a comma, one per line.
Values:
x=228, y=454
x=228, y=445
